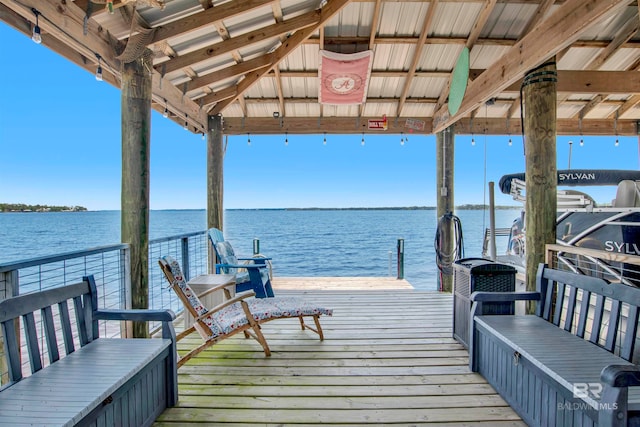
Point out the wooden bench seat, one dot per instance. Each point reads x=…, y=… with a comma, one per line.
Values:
x=563, y=367
x=104, y=382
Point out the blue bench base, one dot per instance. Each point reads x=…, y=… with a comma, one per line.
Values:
x=109, y=382
x=534, y=365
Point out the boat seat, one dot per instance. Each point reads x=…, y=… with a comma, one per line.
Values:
x=628, y=194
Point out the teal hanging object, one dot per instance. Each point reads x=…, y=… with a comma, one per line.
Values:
x=459, y=80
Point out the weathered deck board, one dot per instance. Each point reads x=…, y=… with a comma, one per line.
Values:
x=338, y=283
x=388, y=358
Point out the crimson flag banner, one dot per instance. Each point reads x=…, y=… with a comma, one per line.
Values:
x=344, y=78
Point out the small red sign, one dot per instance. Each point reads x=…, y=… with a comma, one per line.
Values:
x=377, y=124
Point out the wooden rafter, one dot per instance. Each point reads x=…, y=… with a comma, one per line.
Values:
x=417, y=54
x=624, y=35
x=628, y=105
x=282, y=110
x=242, y=41
x=279, y=17
x=65, y=22
x=375, y=23
x=558, y=31
x=474, y=35
x=324, y=14
x=542, y=9
x=207, y=17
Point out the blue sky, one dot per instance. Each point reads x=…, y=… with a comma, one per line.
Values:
x=60, y=142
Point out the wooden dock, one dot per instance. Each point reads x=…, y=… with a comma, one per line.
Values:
x=388, y=358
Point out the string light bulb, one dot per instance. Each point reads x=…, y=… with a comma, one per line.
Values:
x=324, y=141
x=186, y=122
x=402, y=138
x=203, y=138
x=36, y=36
x=617, y=142
x=248, y=139
x=473, y=140
x=510, y=141
x=286, y=138
x=166, y=110
x=581, y=142
x=99, y=69
x=362, y=143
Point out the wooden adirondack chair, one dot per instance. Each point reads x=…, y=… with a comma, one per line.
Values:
x=238, y=314
x=251, y=273
x=217, y=323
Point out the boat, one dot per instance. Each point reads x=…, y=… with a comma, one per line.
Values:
x=582, y=223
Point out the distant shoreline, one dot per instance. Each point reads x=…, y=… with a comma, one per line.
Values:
x=23, y=207
x=408, y=208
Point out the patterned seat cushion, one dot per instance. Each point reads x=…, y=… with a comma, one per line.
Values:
x=276, y=307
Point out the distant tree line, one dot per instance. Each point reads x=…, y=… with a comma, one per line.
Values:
x=21, y=207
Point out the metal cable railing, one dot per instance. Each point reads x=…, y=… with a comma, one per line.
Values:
x=110, y=267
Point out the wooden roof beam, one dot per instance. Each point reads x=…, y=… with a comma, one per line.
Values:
x=440, y=40
x=375, y=23
x=549, y=37
x=207, y=17
x=292, y=43
x=593, y=82
x=294, y=24
x=465, y=126
x=417, y=54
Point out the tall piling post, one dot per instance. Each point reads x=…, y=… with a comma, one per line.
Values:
x=215, y=182
x=539, y=89
x=136, y=133
x=444, y=183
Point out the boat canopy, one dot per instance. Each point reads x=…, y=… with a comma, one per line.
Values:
x=578, y=177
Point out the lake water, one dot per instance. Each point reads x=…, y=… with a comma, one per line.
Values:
x=301, y=242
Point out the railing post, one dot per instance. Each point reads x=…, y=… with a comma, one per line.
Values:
x=126, y=328
x=9, y=287
x=400, y=258
x=256, y=246
x=185, y=258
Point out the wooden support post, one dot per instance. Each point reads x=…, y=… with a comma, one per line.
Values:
x=444, y=191
x=215, y=182
x=539, y=94
x=136, y=131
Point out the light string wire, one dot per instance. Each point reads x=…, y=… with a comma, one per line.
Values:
x=78, y=45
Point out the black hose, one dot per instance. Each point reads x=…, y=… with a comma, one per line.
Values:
x=444, y=260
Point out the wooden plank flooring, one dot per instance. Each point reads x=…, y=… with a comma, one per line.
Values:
x=339, y=283
x=388, y=359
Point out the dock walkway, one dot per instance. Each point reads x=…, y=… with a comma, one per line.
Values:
x=388, y=358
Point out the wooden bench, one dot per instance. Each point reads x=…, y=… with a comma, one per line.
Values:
x=96, y=381
x=570, y=364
